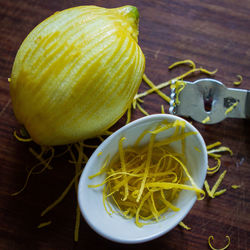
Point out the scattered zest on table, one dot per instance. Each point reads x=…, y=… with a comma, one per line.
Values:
x=79, y=158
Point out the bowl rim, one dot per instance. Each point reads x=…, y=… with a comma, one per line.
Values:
x=159, y=117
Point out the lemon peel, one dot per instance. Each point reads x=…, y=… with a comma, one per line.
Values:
x=211, y=238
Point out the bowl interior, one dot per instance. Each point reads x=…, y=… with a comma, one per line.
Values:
x=116, y=228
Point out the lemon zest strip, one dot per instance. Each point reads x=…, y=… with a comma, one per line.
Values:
x=102, y=170
x=211, y=238
x=220, y=149
x=79, y=147
x=179, y=85
x=230, y=109
x=148, y=161
x=61, y=197
x=182, y=224
x=207, y=119
x=208, y=189
x=77, y=223
x=213, y=170
x=20, y=138
x=154, y=87
x=218, y=182
x=123, y=165
x=237, y=83
x=213, y=145
x=222, y=191
x=128, y=115
x=142, y=109
x=162, y=110
x=169, y=185
x=189, y=62
x=174, y=138
x=44, y=224
x=32, y=170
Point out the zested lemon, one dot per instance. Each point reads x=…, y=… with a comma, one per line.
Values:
x=76, y=73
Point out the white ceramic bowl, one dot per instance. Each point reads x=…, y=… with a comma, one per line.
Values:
x=116, y=228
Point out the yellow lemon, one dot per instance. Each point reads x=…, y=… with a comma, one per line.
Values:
x=76, y=73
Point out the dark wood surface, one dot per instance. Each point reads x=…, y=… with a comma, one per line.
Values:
x=215, y=34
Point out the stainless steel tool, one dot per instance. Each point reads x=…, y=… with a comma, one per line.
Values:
x=209, y=101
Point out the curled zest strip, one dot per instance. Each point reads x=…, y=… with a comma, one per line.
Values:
x=20, y=138
x=211, y=238
x=213, y=170
x=237, y=83
x=179, y=86
x=189, y=62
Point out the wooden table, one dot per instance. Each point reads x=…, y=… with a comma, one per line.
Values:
x=214, y=34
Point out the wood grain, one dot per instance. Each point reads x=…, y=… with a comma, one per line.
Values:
x=216, y=35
